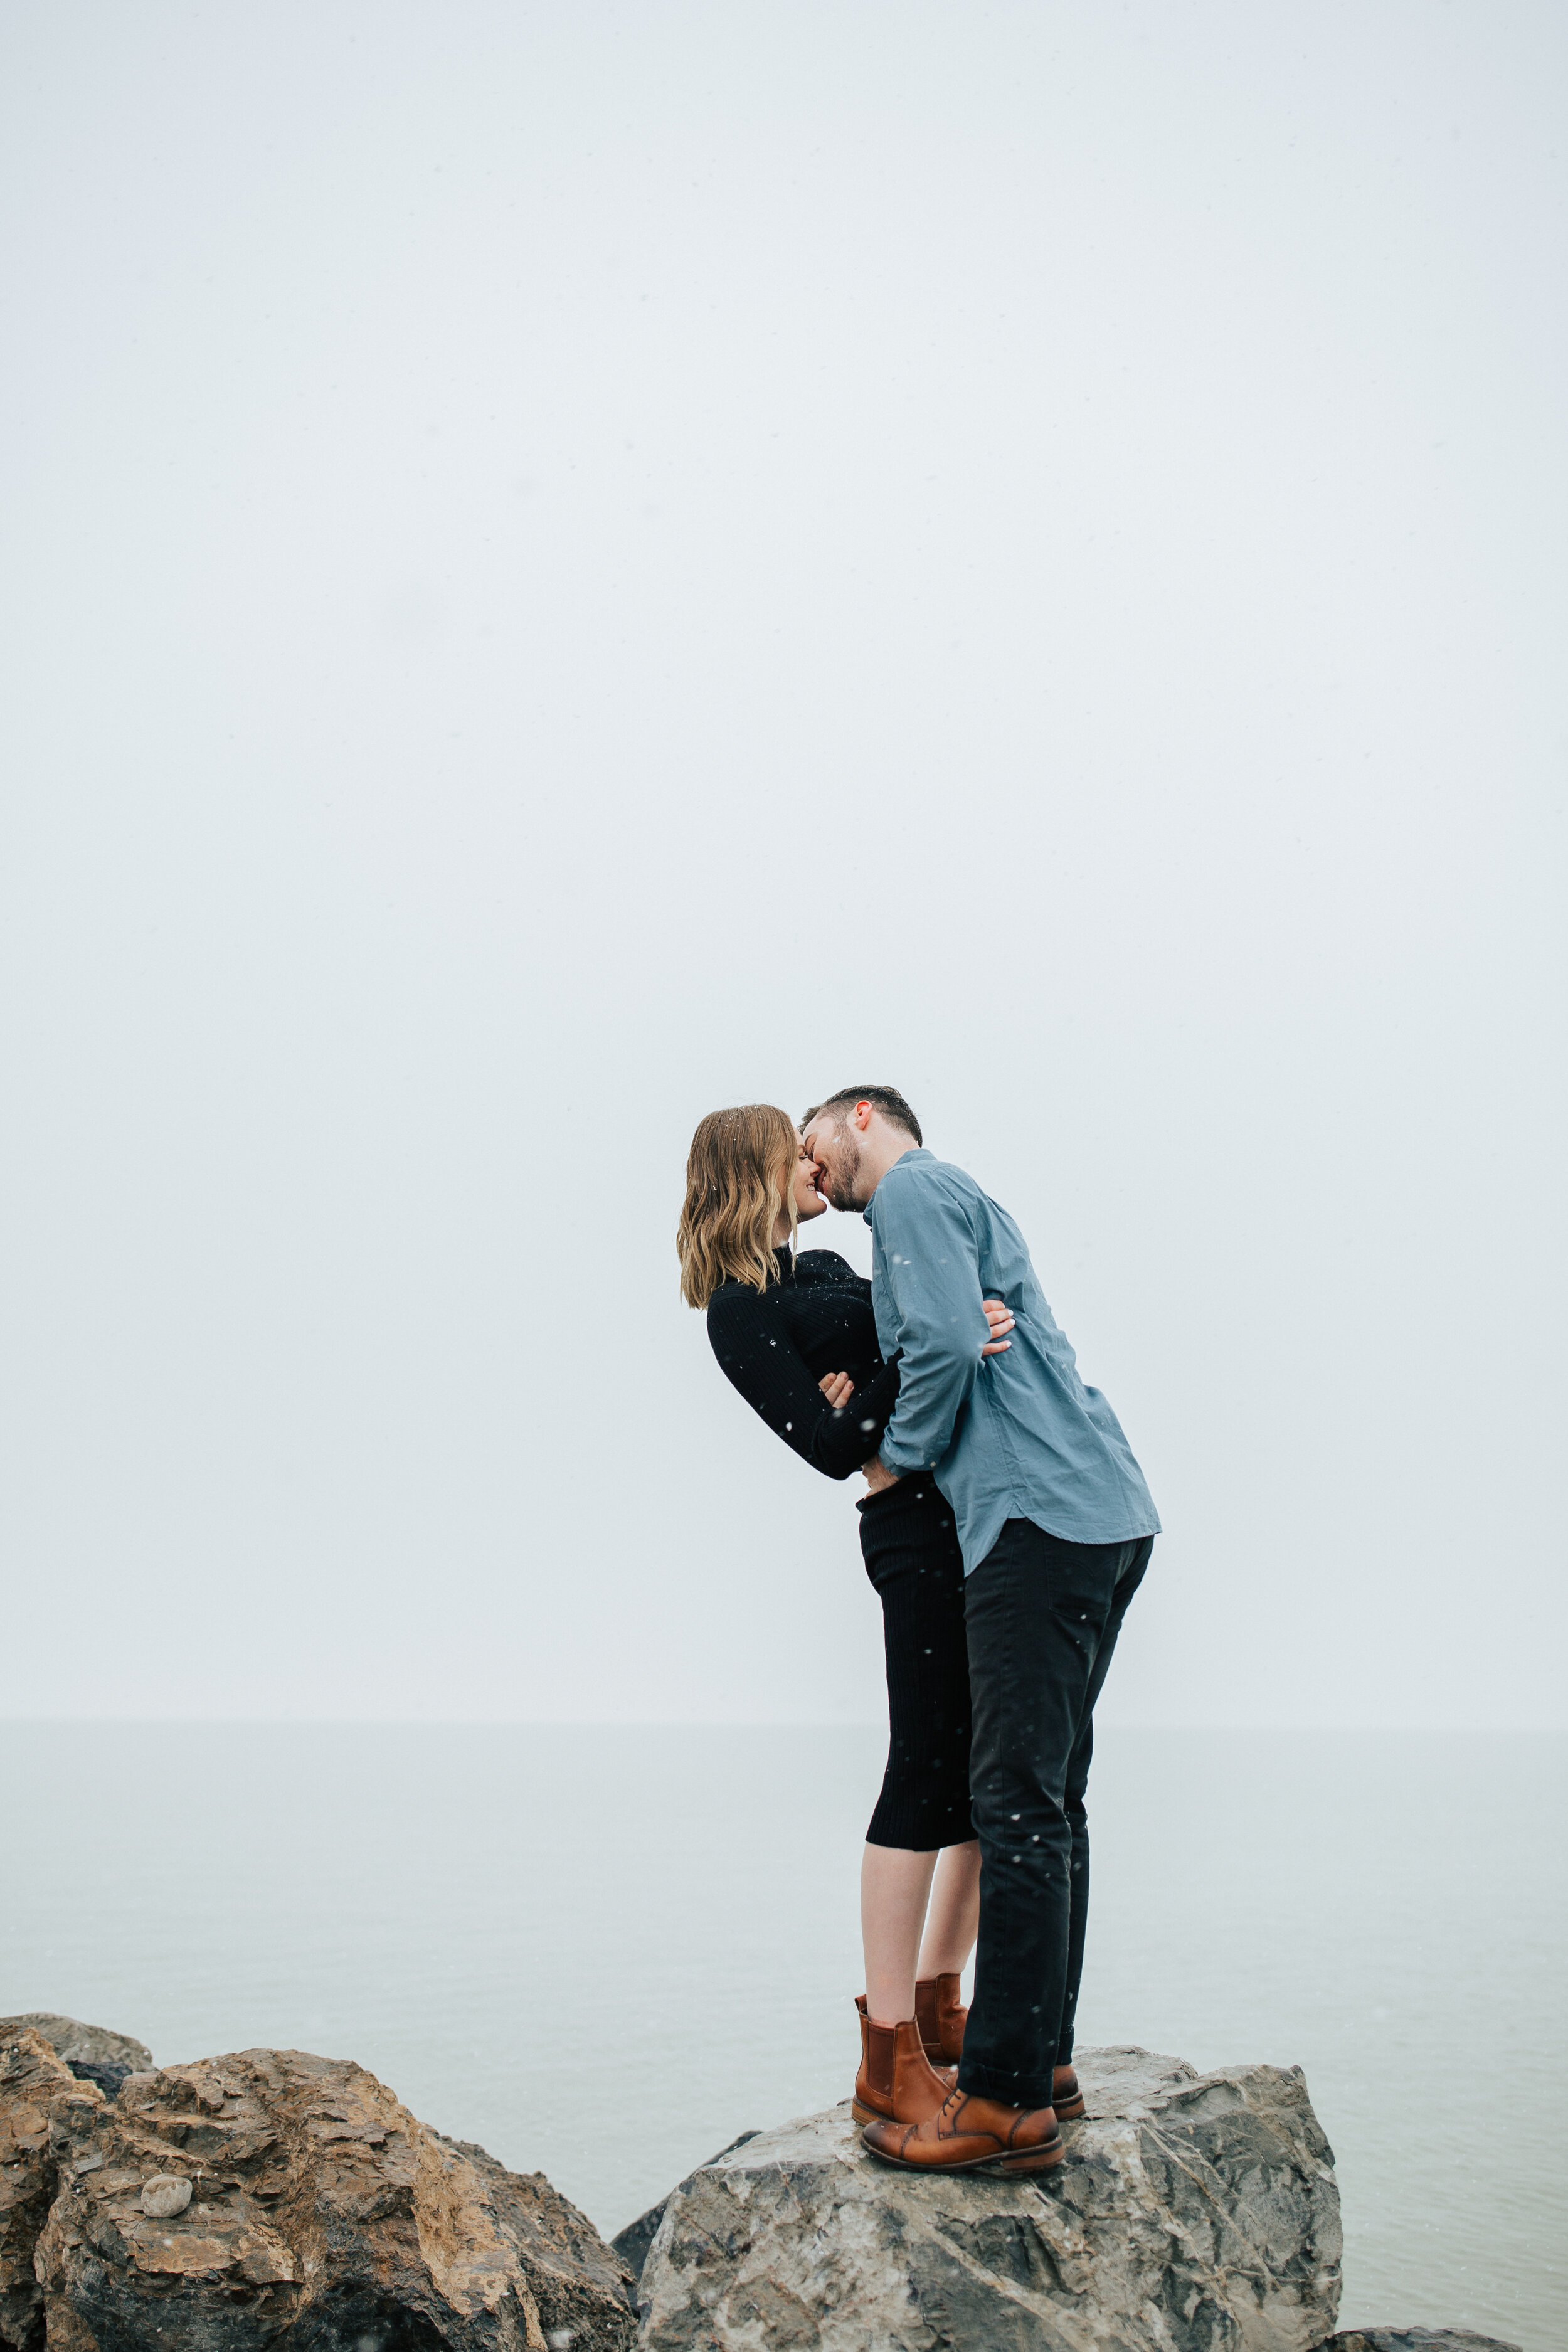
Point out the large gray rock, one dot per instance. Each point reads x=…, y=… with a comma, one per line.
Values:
x=1194, y=2214
x=633, y=2243
x=321, y=2212
x=1416, y=2339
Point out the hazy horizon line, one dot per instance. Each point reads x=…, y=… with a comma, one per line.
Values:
x=706, y=1723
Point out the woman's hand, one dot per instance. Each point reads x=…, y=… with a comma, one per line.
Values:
x=837, y=1388
x=1001, y=1322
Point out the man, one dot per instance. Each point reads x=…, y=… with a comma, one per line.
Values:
x=1056, y=1526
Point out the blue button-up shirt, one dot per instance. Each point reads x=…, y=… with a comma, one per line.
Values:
x=1018, y=1437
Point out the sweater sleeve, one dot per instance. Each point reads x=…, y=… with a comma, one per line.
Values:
x=758, y=1357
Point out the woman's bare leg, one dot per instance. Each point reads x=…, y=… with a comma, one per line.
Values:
x=902, y=1893
x=894, y=1885
x=952, y=1917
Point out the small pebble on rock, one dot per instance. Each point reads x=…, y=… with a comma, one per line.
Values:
x=165, y=2195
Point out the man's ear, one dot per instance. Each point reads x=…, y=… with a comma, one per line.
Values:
x=862, y=1115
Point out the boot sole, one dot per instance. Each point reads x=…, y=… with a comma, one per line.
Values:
x=1039, y=2159
x=1071, y=2113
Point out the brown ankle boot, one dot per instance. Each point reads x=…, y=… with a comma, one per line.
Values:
x=896, y=2083
x=972, y=2134
x=941, y=2022
x=946, y=2075
x=941, y=2017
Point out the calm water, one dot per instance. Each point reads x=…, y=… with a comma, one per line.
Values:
x=602, y=1953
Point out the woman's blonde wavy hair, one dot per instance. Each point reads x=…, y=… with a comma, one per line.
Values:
x=740, y=1174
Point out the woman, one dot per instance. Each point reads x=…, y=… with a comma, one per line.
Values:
x=796, y=1336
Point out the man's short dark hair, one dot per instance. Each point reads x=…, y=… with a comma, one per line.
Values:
x=887, y=1099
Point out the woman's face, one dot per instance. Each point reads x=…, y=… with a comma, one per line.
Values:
x=808, y=1200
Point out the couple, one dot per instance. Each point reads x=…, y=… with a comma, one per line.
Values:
x=1006, y=1528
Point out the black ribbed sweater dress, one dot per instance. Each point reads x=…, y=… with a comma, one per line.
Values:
x=775, y=1345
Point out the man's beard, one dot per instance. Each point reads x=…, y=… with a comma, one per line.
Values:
x=843, y=1173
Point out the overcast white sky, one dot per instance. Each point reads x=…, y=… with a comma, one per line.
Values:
x=566, y=565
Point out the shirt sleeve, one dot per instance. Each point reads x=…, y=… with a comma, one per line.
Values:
x=757, y=1356
x=931, y=1263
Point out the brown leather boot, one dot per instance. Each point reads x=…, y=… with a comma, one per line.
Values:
x=896, y=2083
x=946, y=2075
x=971, y=2135
x=942, y=2020
x=941, y=2016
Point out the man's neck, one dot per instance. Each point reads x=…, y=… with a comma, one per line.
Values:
x=883, y=1155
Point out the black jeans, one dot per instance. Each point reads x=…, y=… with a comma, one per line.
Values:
x=1042, y=1617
